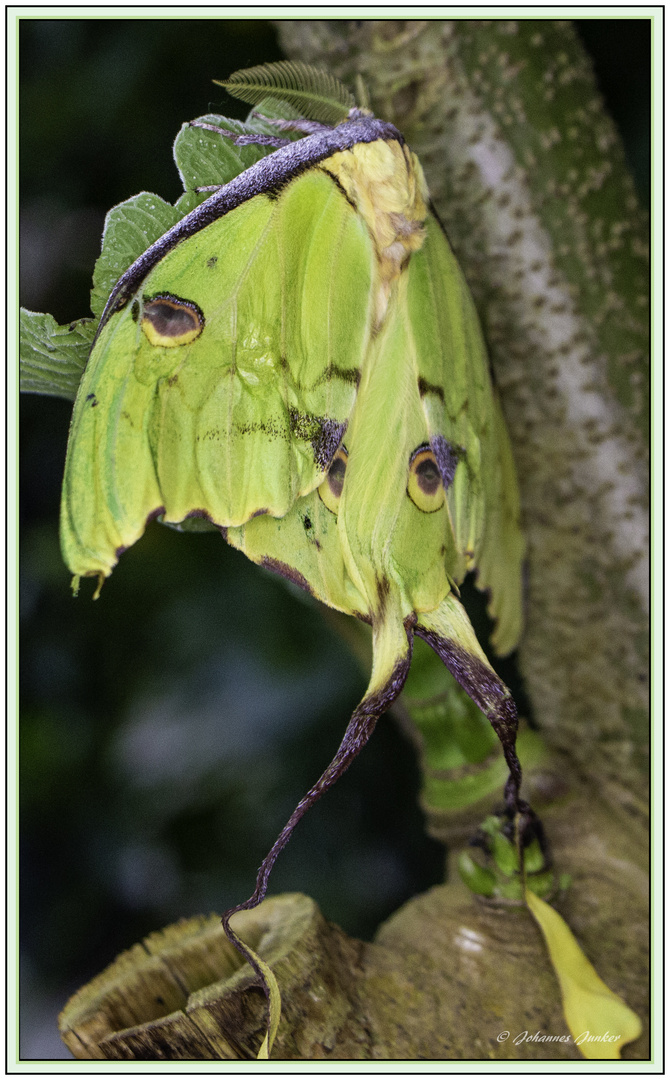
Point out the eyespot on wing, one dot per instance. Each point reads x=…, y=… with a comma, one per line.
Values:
x=330, y=491
x=424, y=486
x=169, y=321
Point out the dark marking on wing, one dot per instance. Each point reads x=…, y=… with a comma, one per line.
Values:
x=363, y=617
x=430, y=388
x=197, y=514
x=337, y=473
x=447, y=456
x=382, y=699
x=150, y=517
x=426, y=471
x=274, y=429
x=212, y=261
x=286, y=571
x=324, y=434
x=173, y=317
x=340, y=188
x=309, y=531
x=304, y=425
x=348, y=375
x=383, y=590
x=490, y=695
x=410, y=622
x=326, y=443
x=93, y=400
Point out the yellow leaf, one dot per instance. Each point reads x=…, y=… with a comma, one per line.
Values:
x=599, y=1021
x=274, y=1007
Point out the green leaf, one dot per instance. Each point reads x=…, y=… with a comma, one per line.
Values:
x=533, y=858
x=477, y=878
x=316, y=93
x=505, y=854
x=599, y=1020
x=52, y=357
x=130, y=228
x=189, y=200
x=204, y=158
x=541, y=883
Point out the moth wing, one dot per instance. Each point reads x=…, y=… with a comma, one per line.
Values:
x=502, y=551
x=305, y=547
x=244, y=418
x=467, y=431
x=368, y=550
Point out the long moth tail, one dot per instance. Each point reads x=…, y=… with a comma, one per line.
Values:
x=392, y=654
x=449, y=633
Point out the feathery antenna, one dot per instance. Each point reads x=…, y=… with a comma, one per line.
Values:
x=317, y=94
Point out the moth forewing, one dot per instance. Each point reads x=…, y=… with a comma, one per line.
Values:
x=105, y=504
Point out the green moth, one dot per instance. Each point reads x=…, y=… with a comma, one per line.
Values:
x=298, y=361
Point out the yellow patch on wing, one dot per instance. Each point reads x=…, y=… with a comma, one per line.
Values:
x=386, y=183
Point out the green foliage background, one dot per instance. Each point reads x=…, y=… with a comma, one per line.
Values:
x=169, y=729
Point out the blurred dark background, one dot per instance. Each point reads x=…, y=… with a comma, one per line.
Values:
x=168, y=730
